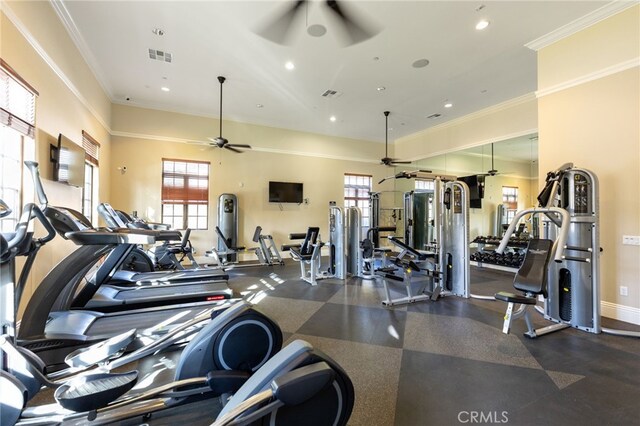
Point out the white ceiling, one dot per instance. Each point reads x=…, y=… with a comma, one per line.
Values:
x=214, y=38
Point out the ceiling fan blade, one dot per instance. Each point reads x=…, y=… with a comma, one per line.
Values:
x=198, y=142
x=400, y=162
x=277, y=29
x=232, y=149
x=357, y=31
x=239, y=145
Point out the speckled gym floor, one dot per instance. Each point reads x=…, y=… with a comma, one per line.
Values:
x=437, y=362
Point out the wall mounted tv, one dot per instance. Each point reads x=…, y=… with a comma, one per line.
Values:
x=69, y=162
x=285, y=192
x=476, y=190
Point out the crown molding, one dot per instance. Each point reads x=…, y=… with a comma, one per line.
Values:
x=580, y=24
x=613, y=69
x=73, y=31
x=9, y=13
x=254, y=148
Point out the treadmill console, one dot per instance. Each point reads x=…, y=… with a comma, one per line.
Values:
x=67, y=220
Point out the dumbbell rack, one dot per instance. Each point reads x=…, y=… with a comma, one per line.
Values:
x=485, y=258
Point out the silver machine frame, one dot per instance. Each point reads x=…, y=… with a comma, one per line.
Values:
x=354, y=261
x=228, y=223
x=447, y=268
x=572, y=220
x=337, y=251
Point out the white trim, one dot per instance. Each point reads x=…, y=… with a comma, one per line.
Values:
x=620, y=312
x=73, y=31
x=580, y=24
x=613, y=69
x=255, y=148
x=6, y=9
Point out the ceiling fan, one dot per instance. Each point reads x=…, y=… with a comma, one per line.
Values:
x=357, y=30
x=386, y=160
x=221, y=142
x=493, y=171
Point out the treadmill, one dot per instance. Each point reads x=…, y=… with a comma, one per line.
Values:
x=110, y=288
x=52, y=327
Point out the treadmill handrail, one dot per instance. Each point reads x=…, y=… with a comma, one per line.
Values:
x=112, y=236
x=548, y=211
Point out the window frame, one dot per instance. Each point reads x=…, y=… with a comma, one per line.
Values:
x=24, y=130
x=358, y=201
x=184, y=206
x=88, y=213
x=510, y=201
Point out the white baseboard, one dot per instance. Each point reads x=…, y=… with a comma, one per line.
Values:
x=620, y=312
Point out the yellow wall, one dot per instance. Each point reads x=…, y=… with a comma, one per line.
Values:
x=596, y=125
x=58, y=108
x=513, y=118
x=246, y=175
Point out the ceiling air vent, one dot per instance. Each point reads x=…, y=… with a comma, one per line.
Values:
x=434, y=116
x=331, y=94
x=159, y=55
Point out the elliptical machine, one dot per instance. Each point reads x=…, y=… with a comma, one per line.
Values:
x=203, y=368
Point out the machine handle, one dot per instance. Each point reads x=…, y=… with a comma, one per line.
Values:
x=51, y=231
x=37, y=182
x=548, y=211
x=5, y=210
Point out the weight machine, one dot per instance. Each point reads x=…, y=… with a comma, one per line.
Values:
x=444, y=260
x=571, y=284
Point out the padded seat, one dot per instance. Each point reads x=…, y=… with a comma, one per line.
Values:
x=299, y=255
x=515, y=298
x=532, y=275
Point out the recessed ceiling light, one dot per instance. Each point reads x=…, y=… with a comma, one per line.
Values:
x=259, y=106
x=316, y=30
x=158, y=31
x=420, y=63
x=391, y=129
x=332, y=118
x=165, y=89
x=289, y=65
x=448, y=105
x=482, y=24
x=381, y=88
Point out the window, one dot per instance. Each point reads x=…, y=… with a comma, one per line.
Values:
x=87, y=192
x=510, y=201
x=17, y=120
x=91, y=149
x=425, y=184
x=356, y=193
x=185, y=193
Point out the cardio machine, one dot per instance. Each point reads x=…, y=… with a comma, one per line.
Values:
x=110, y=288
x=162, y=257
x=295, y=383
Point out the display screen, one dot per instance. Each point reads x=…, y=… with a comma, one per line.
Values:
x=475, y=190
x=69, y=167
x=285, y=192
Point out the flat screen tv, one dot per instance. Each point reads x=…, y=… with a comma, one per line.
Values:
x=476, y=189
x=69, y=164
x=285, y=192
